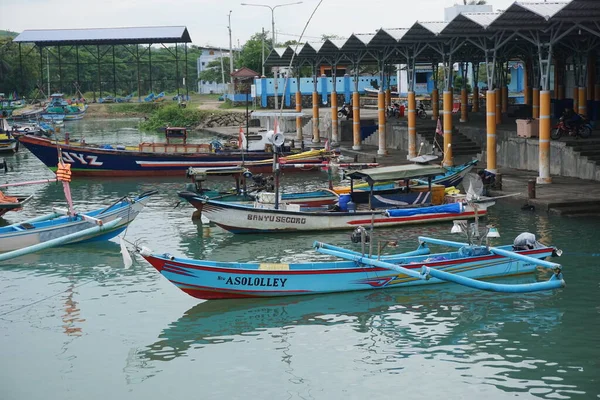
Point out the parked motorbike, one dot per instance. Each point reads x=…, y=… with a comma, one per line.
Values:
x=580, y=128
x=393, y=110
x=421, y=113
x=345, y=111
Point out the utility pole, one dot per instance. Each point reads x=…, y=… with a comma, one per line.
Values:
x=230, y=48
x=263, y=52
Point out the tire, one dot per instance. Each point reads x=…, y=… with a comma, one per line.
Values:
x=556, y=133
x=585, y=131
x=422, y=115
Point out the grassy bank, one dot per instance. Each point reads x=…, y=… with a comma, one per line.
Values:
x=173, y=115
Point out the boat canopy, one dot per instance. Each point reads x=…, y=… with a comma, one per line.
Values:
x=397, y=172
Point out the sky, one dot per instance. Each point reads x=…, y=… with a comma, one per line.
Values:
x=207, y=20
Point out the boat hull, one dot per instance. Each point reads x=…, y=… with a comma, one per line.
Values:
x=240, y=218
x=18, y=236
x=211, y=280
x=92, y=161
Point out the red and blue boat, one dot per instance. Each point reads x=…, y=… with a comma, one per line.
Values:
x=210, y=280
x=158, y=159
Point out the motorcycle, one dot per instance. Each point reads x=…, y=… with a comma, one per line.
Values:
x=393, y=111
x=581, y=128
x=345, y=111
x=421, y=113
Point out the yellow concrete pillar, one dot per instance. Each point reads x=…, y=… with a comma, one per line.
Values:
x=498, y=97
x=448, y=160
x=464, y=104
x=334, y=118
x=545, y=127
x=356, y=121
x=435, y=104
x=575, y=98
x=315, y=106
x=299, y=119
x=582, y=103
x=535, y=109
x=490, y=119
x=475, y=99
x=412, y=125
x=381, y=122
x=504, y=99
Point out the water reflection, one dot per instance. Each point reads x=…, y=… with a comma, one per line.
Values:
x=448, y=324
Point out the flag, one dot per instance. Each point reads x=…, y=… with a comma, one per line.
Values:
x=275, y=127
x=438, y=129
x=327, y=145
x=241, y=138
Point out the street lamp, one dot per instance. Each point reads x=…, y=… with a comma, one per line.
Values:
x=272, y=8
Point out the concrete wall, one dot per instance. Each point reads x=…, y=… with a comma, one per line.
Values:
x=523, y=153
x=512, y=151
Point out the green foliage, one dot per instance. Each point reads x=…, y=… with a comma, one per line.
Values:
x=8, y=34
x=173, y=115
x=132, y=108
x=251, y=54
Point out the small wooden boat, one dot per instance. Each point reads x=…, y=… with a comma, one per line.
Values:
x=209, y=280
x=163, y=159
x=60, y=228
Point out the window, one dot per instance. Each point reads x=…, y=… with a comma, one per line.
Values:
x=421, y=77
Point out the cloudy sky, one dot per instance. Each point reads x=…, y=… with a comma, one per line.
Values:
x=207, y=20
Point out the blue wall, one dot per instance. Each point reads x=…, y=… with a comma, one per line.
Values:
x=344, y=85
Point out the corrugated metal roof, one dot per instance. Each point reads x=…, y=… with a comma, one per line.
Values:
x=483, y=19
x=544, y=10
x=155, y=34
x=434, y=27
x=578, y=11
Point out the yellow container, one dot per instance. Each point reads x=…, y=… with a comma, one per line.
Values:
x=438, y=192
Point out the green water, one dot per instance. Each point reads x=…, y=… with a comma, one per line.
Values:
x=75, y=324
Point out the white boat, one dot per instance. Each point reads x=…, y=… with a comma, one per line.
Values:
x=269, y=214
x=57, y=228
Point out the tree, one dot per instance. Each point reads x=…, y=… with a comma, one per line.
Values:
x=474, y=2
x=213, y=72
x=251, y=54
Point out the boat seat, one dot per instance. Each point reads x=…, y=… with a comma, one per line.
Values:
x=25, y=225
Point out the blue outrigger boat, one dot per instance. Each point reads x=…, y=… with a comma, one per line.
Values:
x=209, y=280
x=58, y=227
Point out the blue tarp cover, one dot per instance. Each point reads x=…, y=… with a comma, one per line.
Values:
x=405, y=212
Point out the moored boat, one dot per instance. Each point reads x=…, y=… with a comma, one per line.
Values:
x=409, y=207
x=209, y=280
x=158, y=159
x=61, y=227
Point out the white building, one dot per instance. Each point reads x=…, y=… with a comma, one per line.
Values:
x=451, y=12
x=208, y=55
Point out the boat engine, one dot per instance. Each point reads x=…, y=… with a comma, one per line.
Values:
x=526, y=241
x=359, y=235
